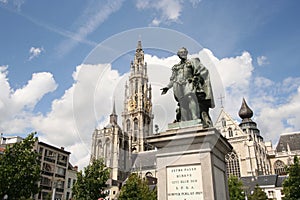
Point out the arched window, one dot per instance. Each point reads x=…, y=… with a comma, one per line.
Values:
x=223, y=122
x=121, y=145
x=107, y=152
x=149, y=174
x=128, y=125
x=136, y=86
x=233, y=164
x=99, y=150
x=279, y=167
x=136, y=128
x=230, y=132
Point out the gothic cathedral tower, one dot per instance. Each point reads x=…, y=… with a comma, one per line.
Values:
x=137, y=116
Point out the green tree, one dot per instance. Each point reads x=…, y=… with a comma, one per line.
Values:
x=20, y=170
x=258, y=194
x=137, y=189
x=291, y=185
x=235, y=188
x=91, y=183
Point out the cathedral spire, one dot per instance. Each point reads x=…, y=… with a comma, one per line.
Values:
x=137, y=117
x=139, y=57
x=113, y=116
x=114, y=108
x=139, y=45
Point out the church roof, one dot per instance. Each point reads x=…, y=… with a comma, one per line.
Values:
x=144, y=160
x=263, y=181
x=113, y=118
x=289, y=141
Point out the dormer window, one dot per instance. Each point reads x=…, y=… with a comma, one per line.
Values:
x=223, y=122
x=230, y=132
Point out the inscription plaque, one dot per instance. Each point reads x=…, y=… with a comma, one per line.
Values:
x=184, y=182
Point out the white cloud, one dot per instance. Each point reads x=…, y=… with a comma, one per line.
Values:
x=17, y=4
x=17, y=106
x=94, y=15
x=277, y=106
x=167, y=10
x=274, y=118
x=195, y=2
x=35, y=52
x=235, y=73
x=88, y=103
x=262, y=60
x=29, y=95
x=74, y=116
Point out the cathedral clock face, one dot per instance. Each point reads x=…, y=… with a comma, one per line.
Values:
x=131, y=105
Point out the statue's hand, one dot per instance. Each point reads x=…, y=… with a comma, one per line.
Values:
x=164, y=90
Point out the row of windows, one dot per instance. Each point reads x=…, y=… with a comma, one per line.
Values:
x=233, y=165
x=135, y=124
x=53, y=157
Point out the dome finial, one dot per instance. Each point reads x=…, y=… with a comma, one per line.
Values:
x=245, y=112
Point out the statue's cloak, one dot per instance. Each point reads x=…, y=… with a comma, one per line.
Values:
x=203, y=74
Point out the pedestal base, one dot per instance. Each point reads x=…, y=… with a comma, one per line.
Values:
x=191, y=164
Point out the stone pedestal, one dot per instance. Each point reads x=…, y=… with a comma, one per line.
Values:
x=191, y=163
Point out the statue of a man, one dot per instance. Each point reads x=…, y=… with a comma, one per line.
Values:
x=192, y=89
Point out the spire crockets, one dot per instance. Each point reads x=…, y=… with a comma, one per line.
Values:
x=138, y=65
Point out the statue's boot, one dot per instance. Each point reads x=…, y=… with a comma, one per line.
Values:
x=206, y=121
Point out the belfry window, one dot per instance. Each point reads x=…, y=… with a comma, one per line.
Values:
x=136, y=86
x=128, y=125
x=136, y=127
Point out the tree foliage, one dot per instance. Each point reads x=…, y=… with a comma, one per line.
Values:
x=20, y=170
x=137, y=189
x=291, y=185
x=235, y=188
x=91, y=183
x=258, y=194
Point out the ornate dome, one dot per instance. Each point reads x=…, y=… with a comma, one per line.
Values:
x=245, y=112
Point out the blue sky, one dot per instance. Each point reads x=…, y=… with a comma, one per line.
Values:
x=254, y=45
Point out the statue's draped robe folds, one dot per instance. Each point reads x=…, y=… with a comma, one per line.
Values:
x=202, y=72
x=192, y=90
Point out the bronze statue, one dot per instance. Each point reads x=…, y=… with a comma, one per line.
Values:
x=192, y=89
